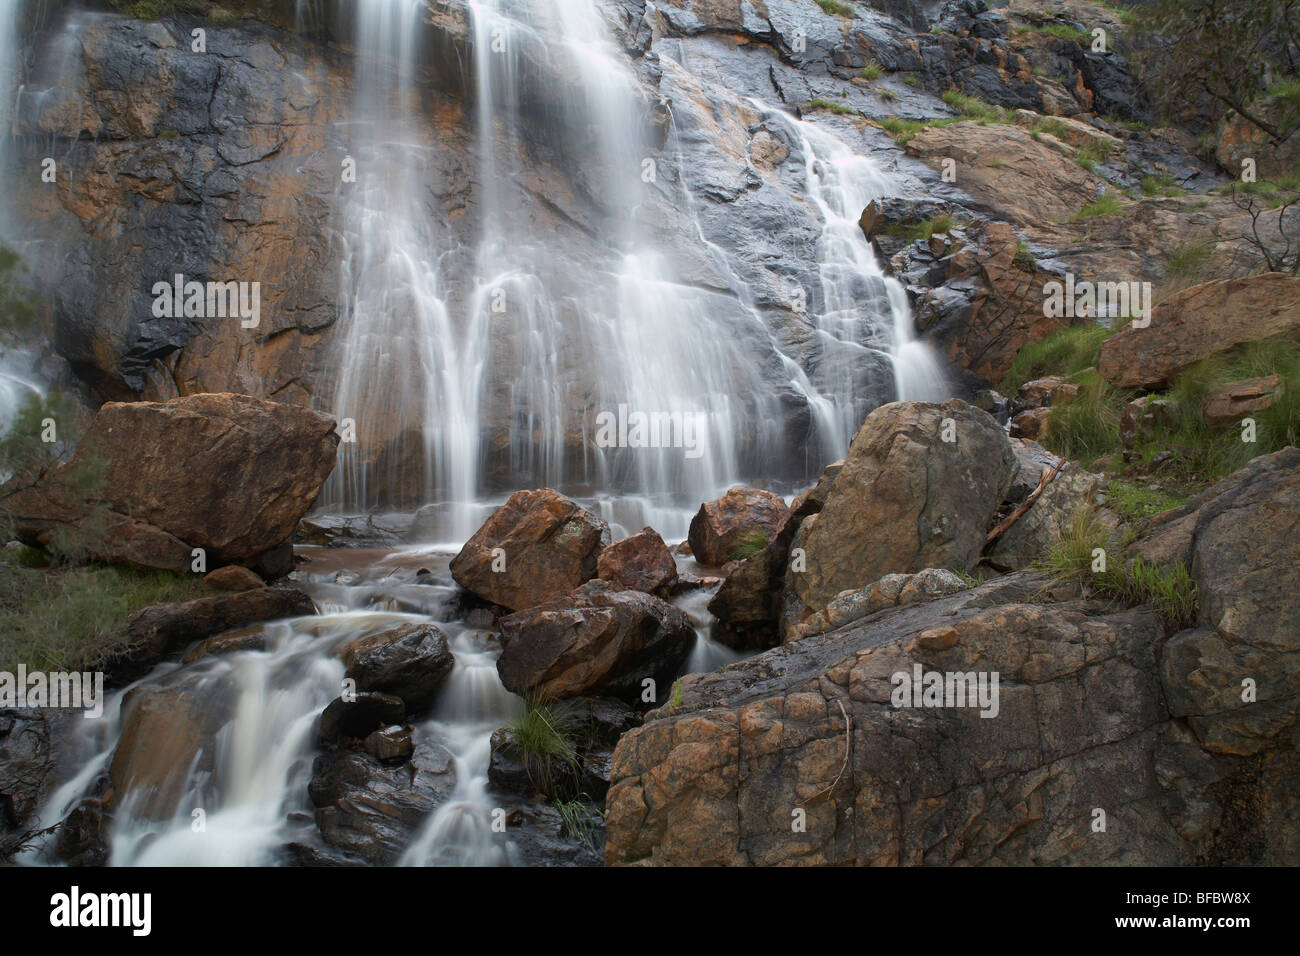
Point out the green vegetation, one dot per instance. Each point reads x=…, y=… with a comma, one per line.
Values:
x=1186, y=265
x=1088, y=427
x=219, y=16
x=750, y=543
x=911, y=80
x=1082, y=555
x=1067, y=352
x=1133, y=502
x=1093, y=152
x=581, y=820
x=1054, y=127
x=1107, y=205
x=1023, y=258
x=150, y=9
x=835, y=8
x=74, y=619
x=923, y=230
x=546, y=745
x=872, y=71
x=1162, y=185
x=820, y=104
x=1191, y=59
x=1058, y=30
x=887, y=94
x=974, y=108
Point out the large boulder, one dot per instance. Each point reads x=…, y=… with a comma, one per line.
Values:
x=640, y=562
x=535, y=547
x=723, y=525
x=151, y=481
x=410, y=661
x=906, y=499
x=1187, y=744
x=598, y=640
x=1198, y=322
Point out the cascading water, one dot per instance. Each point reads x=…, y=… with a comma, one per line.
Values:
x=504, y=356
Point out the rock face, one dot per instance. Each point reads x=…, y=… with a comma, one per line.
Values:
x=1198, y=322
x=721, y=525
x=890, y=591
x=1037, y=530
x=27, y=770
x=1095, y=709
x=411, y=661
x=537, y=545
x=595, y=641
x=906, y=499
x=641, y=562
x=1233, y=402
x=152, y=480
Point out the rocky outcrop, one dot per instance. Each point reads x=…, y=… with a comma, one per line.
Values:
x=918, y=489
x=151, y=481
x=1198, y=322
x=410, y=661
x=536, y=546
x=596, y=641
x=740, y=516
x=1233, y=402
x=640, y=562
x=360, y=715
x=890, y=591
x=27, y=769
x=156, y=629
x=1103, y=724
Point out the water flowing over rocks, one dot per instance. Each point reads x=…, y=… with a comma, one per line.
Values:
x=151, y=481
x=906, y=499
x=595, y=641
x=537, y=545
x=411, y=662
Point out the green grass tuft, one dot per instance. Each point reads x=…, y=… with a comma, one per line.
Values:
x=1107, y=205
x=1066, y=352
x=820, y=104
x=547, y=746
x=750, y=543
x=835, y=8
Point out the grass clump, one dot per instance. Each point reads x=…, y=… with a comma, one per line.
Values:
x=1081, y=556
x=750, y=543
x=1066, y=352
x=922, y=230
x=74, y=619
x=1107, y=205
x=1162, y=185
x=546, y=746
x=831, y=105
x=1053, y=127
x=973, y=108
x=581, y=820
x=872, y=71
x=1134, y=503
x=1060, y=31
x=835, y=8
x=1087, y=426
x=1092, y=153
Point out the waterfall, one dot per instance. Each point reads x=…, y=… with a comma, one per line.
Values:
x=503, y=350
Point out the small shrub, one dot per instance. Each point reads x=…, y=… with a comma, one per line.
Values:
x=750, y=543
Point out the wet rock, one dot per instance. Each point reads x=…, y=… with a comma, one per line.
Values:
x=245, y=639
x=721, y=526
x=359, y=717
x=535, y=547
x=167, y=734
x=1197, y=322
x=906, y=499
x=391, y=743
x=640, y=562
x=411, y=661
x=155, y=629
x=226, y=473
x=595, y=641
x=27, y=772
x=233, y=577
x=84, y=835
x=373, y=811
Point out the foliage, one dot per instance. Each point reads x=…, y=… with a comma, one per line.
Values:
x=923, y=230
x=835, y=8
x=581, y=819
x=820, y=104
x=973, y=108
x=750, y=543
x=1133, y=502
x=1066, y=352
x=1223, y=55
x=1106, y=205
x=546, y=744
x=74, y=619
x=1059, y=30
x=18, y=313
x=872, y=71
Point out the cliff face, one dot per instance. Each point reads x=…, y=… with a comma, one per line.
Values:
x=226, y=165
